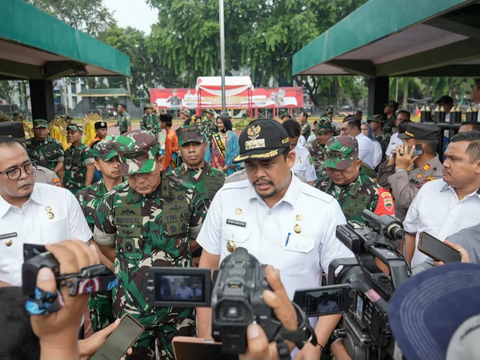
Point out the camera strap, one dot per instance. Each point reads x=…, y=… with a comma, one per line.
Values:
x=304, y=333
x=44, y=302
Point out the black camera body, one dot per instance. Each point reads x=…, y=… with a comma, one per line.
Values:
x=32, y=266
x=236, y=298
x=362, y=290
x=237, y=301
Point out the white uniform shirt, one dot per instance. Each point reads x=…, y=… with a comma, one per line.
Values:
x=304, y=164
x=239, y=214
x=31, y=224
x=301, y=140
x=365, y=149
x=377, y=153
x=394, y=142
x=311, y=138
x=437, y=210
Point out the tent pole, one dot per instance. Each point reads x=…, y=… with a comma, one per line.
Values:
x=222, y=54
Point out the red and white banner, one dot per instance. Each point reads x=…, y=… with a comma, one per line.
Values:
x=175, y=99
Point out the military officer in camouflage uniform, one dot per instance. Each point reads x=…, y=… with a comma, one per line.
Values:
x=79, y=160
x=149, y=221
x=43, y=149
x=149, y=122
x=377, y=122
x=15, y=130
x=324, y=131
x=209, y=126
x=354, y=190
x=390, y=110
x=124, y=121
x=197, y=171
x=107, y=162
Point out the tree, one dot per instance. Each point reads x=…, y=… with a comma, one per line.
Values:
x=7, y=90
x=260, y=34
x=145, y=65
x=89, y=16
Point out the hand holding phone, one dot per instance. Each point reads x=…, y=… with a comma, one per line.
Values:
x=120, y=340
x=437, y=250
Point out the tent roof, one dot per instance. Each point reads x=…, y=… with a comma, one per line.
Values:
x=35, y=45
x=398, y=38
x=103, y=92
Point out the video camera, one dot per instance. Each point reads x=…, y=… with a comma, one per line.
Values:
x=235, y=296
x=88, y=280
x=362, y=289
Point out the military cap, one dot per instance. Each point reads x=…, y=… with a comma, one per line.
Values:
x=12, y=129
x=147, y=107
x=75, y=127
x=323, y=125
x=340, y=152
x=376, y=118
x=393, y=104
x=186, y=112
x=419, y=131
x=445, y=99
x=68, y=117
x=262, y=139
x=100, y=125
x=40, y=123
x=329, y=111
x=166, y=118
x=189, y=133
x=210, y=111
x=105, y=150
x=137, y=150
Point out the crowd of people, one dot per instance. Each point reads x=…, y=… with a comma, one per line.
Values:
x=279, y=190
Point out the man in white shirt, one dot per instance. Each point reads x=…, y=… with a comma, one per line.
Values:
x=304, y=163
x=444, y=207
x=277, y=218
x=394, y=140
x=31, y=212
x=353, y=127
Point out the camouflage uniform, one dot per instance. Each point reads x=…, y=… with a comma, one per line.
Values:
x=149, y=230
x=150, y=123
x=363, y=193
x=384, y=137
x=390, y=122
x=76, y=160
x=124, y=121
x=100, y=304
x=209, y=127
x=317, y=150
x=46, y=153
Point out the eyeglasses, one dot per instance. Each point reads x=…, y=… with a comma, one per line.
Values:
x=14, y=174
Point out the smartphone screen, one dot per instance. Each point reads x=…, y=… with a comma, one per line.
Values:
x=437, y=250
x=119, y=340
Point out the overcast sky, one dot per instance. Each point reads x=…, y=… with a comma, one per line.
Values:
x=134, y=13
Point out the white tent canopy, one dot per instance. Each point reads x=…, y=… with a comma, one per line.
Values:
x=234, y=85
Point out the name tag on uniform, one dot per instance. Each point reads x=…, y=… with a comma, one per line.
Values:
x=236, y=222
x=9, y=235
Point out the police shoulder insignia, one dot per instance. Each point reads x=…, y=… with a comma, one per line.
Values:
x=426, y=167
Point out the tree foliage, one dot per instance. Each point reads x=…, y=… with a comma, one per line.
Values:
x=89, y=16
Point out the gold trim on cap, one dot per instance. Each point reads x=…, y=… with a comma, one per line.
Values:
x=409, y=134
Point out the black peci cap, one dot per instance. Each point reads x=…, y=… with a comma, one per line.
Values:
x=100, y=125
x=263, y=139
x=445, y=99
x=419, y=131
